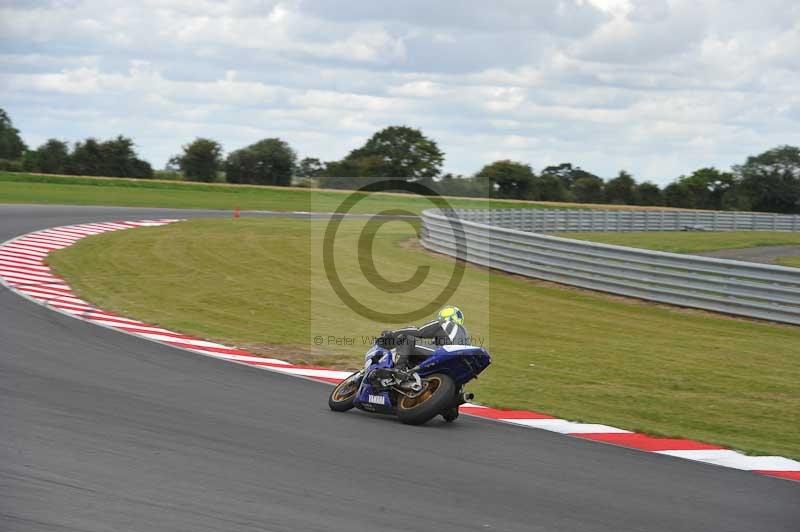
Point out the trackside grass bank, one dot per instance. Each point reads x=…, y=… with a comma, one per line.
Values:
x=789, y=261
x=73, y=190
x=690, y=242
x=260, y=284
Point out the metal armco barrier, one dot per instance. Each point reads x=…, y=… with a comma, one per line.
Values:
x=550, y=220
x=732, y=287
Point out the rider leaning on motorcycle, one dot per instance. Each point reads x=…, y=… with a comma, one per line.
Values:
x=446, y=329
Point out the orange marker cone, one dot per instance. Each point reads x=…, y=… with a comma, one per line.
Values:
x=236, y=212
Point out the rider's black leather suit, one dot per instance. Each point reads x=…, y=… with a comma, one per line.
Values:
x=409, y=353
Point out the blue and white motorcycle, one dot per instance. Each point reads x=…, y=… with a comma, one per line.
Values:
x=434, y=387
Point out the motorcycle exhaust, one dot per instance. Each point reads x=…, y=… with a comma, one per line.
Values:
x=467, y=397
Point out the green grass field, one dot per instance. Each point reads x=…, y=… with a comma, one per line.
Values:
x=690, y=242
x=72, y=190
x=789, y=261
x=578, y=355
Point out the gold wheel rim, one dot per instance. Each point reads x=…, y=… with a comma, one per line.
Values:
x=346, y=385
x=408, y=403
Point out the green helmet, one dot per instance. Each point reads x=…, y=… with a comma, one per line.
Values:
x=453, y=314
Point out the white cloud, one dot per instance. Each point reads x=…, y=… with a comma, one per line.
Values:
x=658, y=87
x=419, y=89
x=647, y=32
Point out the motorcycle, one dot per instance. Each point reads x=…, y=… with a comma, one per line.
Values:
x=434, y=387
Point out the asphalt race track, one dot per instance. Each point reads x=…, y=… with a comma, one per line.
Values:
x=102, y=431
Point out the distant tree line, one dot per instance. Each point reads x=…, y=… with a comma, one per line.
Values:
x=768, y=182
x=113, y=158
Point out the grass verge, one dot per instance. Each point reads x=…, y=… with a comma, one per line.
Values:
x=75, y=190
x=789, y=261
x=690, y=242
x=574, y=354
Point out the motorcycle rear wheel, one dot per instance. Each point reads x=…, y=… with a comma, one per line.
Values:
x=343, y=396
x=436, y=397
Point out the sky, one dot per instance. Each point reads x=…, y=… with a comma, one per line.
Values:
x=657, y=87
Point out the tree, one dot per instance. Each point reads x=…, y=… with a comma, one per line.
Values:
x=648, y=194
x=509, y=179
x=353, y=173
x=707, y=187
x=201, y=160
x=622, y=189
x=267, y=162
x=451, y=185
x=771, y=180
x=112, y=158
x=566, y=174
x=141, y=169
x=310, y=167
x=119, y=158
x=361, y=167
x=87, y=159
x=735, y=200
x=52, y=157
x=402, y=152
x=11, y=144
x=588, y=190
x=548, y=187
x=678, y=194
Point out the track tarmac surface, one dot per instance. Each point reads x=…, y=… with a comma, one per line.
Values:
x=105, y=431
x=761, y=254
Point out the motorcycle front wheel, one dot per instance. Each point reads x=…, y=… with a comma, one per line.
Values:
x=343, y=397
x=435, y=398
